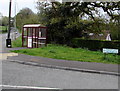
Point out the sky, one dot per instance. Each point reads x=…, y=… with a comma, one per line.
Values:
x=19, y=4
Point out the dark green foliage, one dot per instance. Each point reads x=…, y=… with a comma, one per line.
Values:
x=4, y=31
x=4, y=21
x=115, y=27
x=94, y=44
x=65, y=20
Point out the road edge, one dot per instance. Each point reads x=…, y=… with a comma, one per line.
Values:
x=66, y=68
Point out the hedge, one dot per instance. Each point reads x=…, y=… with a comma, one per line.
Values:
x=94, y=44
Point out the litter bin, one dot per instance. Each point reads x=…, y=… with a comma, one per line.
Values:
x=8, y=43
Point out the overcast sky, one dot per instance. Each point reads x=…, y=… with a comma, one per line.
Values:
x=4, y=6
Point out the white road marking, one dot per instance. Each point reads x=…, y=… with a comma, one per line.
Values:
x=27, y=87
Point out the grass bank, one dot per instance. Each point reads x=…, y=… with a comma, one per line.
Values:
x=68, y=53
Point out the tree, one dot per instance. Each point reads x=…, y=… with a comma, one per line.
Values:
x=26, y=16
x=1, y=15
x=115, y=27
x=4, y=21
x=66, y=20
x=1, y=19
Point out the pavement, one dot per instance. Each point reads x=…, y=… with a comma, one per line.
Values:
x=5, y=55
x=90, y=67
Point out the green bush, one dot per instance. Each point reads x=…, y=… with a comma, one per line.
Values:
x=94, y=44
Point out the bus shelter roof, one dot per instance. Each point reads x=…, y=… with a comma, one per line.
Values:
x=33, y=25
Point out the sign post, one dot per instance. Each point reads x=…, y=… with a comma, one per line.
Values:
x=112, y=51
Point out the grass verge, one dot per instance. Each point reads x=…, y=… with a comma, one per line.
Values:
x=17, y=42
x=68, y=53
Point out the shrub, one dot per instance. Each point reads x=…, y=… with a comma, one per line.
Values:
x=94, y=44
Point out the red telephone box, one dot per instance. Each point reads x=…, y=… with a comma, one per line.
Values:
x=34, y=36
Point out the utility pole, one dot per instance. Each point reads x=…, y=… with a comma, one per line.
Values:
x=8, y=40
x=15, y=32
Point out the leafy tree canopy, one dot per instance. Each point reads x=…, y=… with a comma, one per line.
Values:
x=67, y=20
x=26, y=16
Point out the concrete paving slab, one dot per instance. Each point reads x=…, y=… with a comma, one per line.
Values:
x=5, y=55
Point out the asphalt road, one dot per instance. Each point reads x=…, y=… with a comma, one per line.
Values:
x=2, y=42
x=15, y=74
